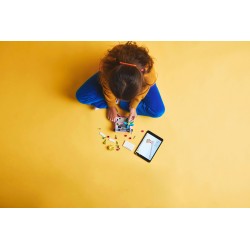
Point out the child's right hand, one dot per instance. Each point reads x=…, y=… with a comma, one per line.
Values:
x=112, y=114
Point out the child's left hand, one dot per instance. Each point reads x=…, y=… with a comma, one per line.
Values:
x=132, y=114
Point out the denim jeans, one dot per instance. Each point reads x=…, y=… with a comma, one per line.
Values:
x=91, y=93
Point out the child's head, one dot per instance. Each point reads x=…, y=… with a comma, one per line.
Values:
x=124, y=67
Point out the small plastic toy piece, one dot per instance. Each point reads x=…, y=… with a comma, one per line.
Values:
x=104, y=142
x=115, y=137
x=129, y=124
x=117, y=146
x=103, y=135
x=128, y=145
x=142, y=131
x=110, y=147
x=112, y=140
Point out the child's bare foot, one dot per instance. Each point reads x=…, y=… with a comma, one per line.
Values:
x=112, y=114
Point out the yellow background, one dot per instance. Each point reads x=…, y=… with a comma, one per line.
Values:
x=51, y=154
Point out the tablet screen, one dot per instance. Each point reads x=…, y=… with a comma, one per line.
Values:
x=149, y=145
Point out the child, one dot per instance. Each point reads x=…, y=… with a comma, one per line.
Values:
x=127, y=77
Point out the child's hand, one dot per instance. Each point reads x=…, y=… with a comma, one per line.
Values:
x=132, y=114
x=112, y=114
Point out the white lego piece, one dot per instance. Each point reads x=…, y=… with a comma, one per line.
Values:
x=128, y=145
x=103, y=135
x=112, y=140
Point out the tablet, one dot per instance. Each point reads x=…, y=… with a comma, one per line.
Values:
x=148, y=146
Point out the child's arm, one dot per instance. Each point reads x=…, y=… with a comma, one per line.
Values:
x=111, y=101
x=109, y=96
x=134, y=103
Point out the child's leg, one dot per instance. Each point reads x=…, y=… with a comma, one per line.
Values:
x=152, y=105
x=91, y=93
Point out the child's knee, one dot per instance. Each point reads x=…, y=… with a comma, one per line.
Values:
x=80, y=97
x=158, y=113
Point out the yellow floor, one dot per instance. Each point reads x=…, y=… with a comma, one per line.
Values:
x=51, y=154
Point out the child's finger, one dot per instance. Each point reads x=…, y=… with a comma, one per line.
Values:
x=131, y=118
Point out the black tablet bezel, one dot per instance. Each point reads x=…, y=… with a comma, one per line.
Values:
x=156, y=136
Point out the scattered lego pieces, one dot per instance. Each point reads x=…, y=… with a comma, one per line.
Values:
x=142, y=131
x=116, y=146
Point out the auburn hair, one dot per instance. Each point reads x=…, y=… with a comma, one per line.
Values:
x=123, y=67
